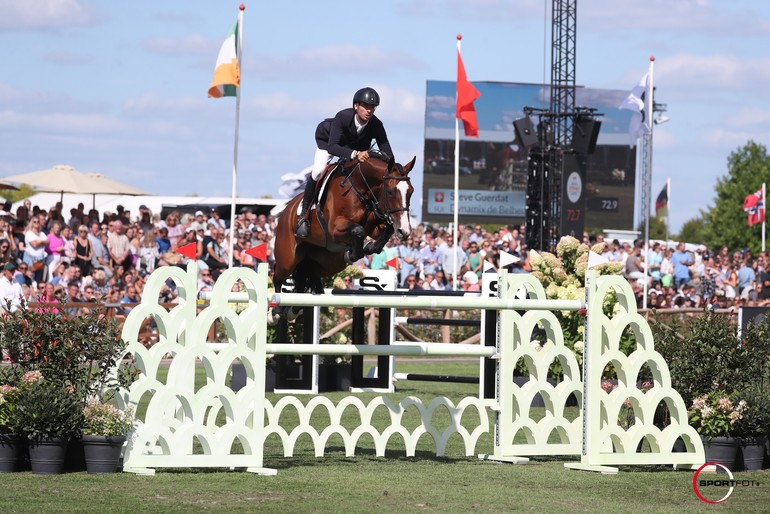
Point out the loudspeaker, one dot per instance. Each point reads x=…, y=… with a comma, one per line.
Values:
x=585, y=132
x=525, y=132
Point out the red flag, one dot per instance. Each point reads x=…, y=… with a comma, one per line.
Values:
x=258, y=252
x=466, y=94
x=754, y=205
x=392, y=262
x=188, y=250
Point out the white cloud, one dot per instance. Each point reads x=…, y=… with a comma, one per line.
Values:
x=441, y=102
x=67, y=58
x=750, y=118
x=151, y=102
x=729, y=140
x=486, y=11
x=193, y=44
x=398, y=106
x=63, y=123
x=699, y=75
x=41, y=14
x=317, y=62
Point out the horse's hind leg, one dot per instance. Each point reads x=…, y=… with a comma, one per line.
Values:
x=316, y=285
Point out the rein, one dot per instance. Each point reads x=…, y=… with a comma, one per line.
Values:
x=370, y=200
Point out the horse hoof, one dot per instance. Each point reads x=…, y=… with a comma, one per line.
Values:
x=347, y=258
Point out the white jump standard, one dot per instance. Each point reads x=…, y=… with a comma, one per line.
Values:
x=180, y=414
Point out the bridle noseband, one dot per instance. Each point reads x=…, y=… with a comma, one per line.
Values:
x=370, y=200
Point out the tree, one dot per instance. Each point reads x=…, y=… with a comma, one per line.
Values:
x=14, y=196
x=726, y=222
x=694, y=231
x=657, y=228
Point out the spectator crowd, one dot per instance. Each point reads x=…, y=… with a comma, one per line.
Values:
x=105, y=256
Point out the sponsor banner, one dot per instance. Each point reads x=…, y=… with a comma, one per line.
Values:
x=477, y=203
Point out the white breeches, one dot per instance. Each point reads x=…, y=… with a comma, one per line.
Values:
x=320, y=161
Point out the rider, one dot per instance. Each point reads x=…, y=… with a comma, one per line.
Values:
x=348, y=135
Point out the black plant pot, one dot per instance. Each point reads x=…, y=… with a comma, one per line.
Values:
x=723, y=450
x=334, y=377
x=102, y=453
x=46, y=456
x=238, y=379
x=751, y=453
x=11, y=446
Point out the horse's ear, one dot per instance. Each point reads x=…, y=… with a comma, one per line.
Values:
x=410, y=165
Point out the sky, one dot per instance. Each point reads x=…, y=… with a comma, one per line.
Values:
x=120, y=87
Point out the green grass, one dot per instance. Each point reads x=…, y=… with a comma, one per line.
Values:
x=381, y=484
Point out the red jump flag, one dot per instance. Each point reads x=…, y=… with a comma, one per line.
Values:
x=188, y=250
x=754, y=205
x=393, y=263
x=258, y=252
x=466, y=95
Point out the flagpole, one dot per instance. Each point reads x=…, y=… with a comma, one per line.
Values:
x=239, y=48
x=764, y=215
x=457, y=182
x=668, y=206
x=649, y=101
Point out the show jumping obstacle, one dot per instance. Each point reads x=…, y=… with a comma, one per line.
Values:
x=180, y=414
x=304, y=378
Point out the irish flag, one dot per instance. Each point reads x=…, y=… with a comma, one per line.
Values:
x=227, y=75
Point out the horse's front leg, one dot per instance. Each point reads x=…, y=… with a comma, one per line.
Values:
x=354, y=234
x=357, y=245
x=377, y=245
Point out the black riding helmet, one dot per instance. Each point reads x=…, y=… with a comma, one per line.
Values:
x=366, y=95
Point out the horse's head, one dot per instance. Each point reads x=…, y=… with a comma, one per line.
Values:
x=396, y=193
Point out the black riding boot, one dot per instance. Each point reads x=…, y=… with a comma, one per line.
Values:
x=303, y=224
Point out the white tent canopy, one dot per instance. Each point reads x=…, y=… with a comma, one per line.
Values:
x=63, y=178
x=155, y=203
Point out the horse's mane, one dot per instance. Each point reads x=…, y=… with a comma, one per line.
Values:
x=375, y=154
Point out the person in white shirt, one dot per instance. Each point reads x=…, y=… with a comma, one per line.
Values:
x=10, y=291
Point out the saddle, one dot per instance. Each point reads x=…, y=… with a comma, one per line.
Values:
x=320, y=185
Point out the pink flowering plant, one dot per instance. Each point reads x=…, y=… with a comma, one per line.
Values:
x=104, y=419
x=717, y=414
x=8, y=406
x=55, y=363
x=563, y=277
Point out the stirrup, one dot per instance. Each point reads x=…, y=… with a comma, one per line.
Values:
x=302, y=229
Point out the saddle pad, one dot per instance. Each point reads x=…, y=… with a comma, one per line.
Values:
x=324, y=183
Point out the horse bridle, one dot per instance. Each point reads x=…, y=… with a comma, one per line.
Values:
x=370, y=201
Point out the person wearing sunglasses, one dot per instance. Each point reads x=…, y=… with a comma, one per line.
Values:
x=10, y=290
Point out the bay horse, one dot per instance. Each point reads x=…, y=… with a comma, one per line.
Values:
x=358, y=200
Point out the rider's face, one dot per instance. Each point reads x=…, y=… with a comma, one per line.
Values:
x=364, y=111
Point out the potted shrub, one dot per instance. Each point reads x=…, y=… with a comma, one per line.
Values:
x=752, y=429
x=75, y=355
x=48, y=415
x=10, y=441
x=105, y=428
x=715, y=416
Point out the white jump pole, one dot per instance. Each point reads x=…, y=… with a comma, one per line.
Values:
x=421, y=302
